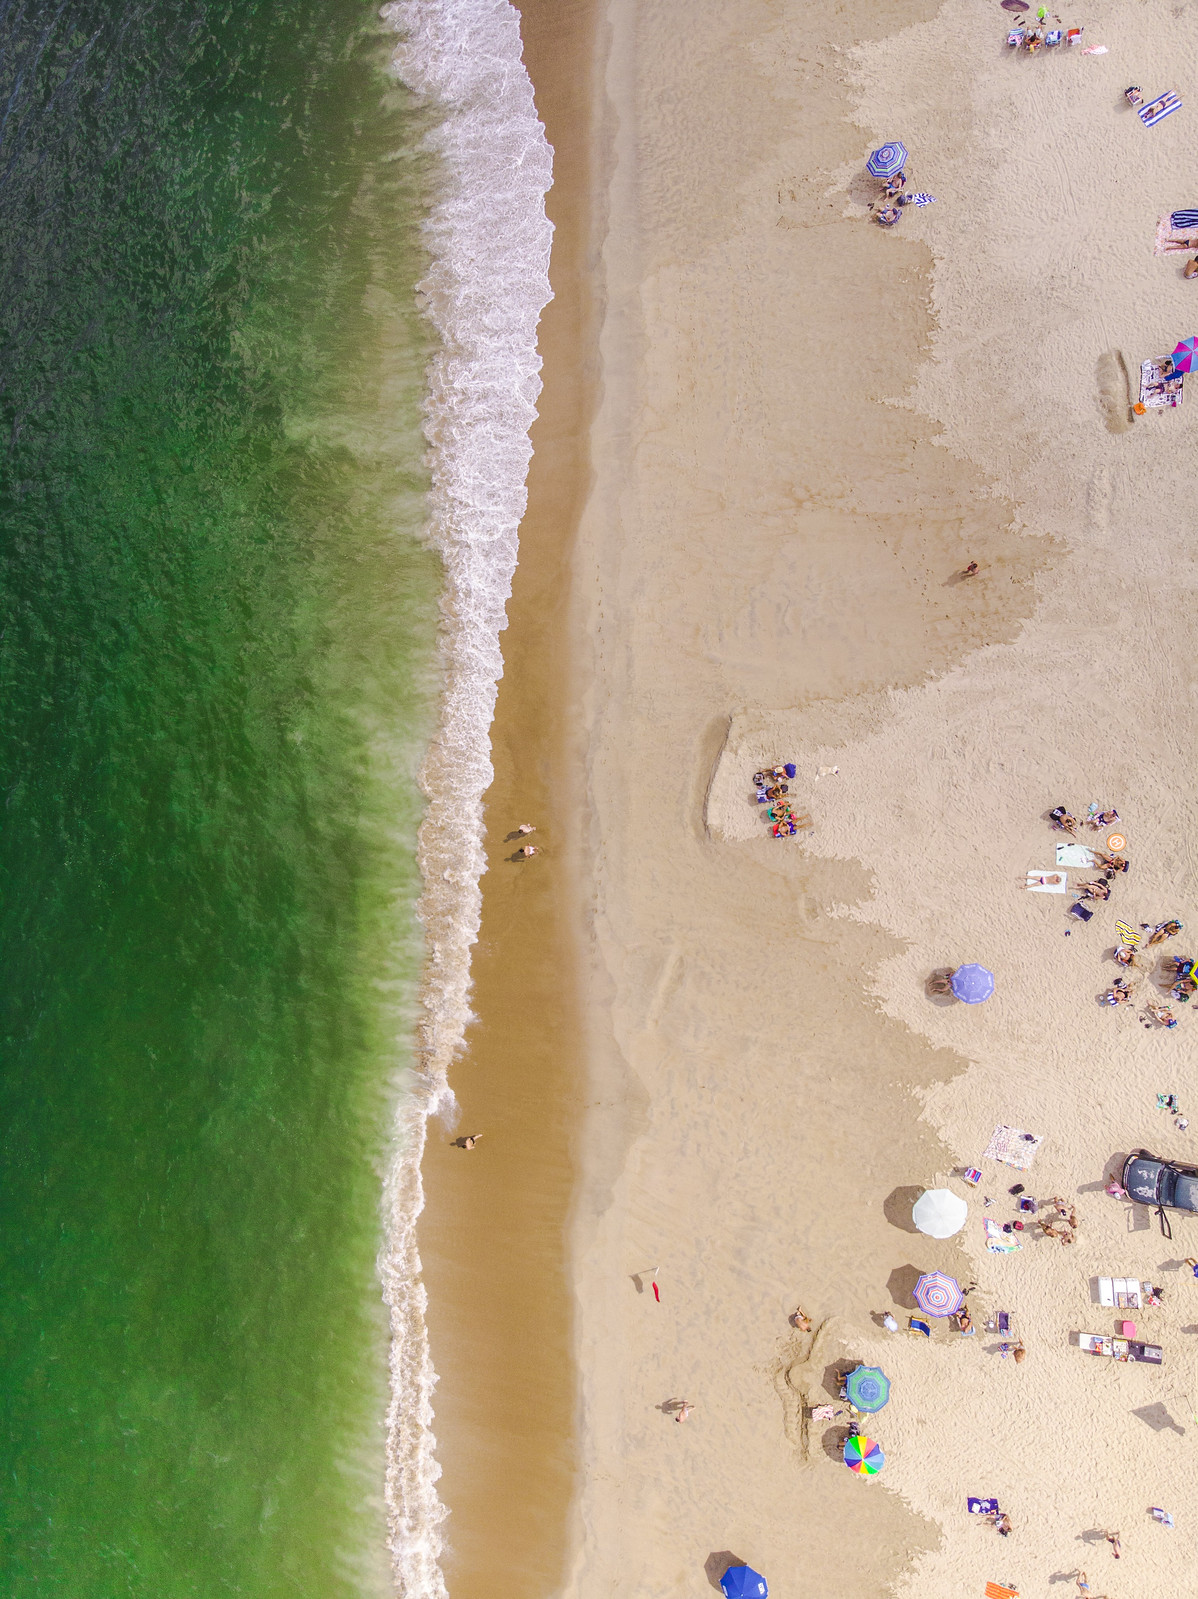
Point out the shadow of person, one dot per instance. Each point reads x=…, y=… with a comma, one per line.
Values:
x=670, y=1407
x=1093, y=1535
x=898, y=1205
x=718, y=1562
x=1158, y=1418
x=900, y=1285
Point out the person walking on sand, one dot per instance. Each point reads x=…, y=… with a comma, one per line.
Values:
x=528, y=851
x=971, y=570
x=526, y=827
x=683, y=1411
x=1116, y=1547
x=470, y=1140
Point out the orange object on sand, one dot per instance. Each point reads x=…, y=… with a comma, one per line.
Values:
x=1139, y=409
x=995, y=1590
x=1116, y=841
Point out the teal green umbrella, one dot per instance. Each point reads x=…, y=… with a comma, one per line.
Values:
x=867, y=1388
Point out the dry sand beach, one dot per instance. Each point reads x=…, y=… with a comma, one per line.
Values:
x=807, y=427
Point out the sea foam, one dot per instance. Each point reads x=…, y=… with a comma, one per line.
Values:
x=488, y=281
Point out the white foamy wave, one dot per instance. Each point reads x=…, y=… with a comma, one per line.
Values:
x=488, y=282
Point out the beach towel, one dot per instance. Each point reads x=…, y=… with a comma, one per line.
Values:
x=1184, y=219
x=1153, y=393
x=1075, y=855
x=1080, y=911
x=824, y=1413
x=915, y=1325
x=981, y=1507
x=921, y=199
x=996, y=1590
x=1011, y=1146
x=1157, y=110
x=1128, y=935
x=1094, y=50
x=998, y=1242
x=1047, y=882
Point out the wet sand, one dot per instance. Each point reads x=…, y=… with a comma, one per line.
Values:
x=493, y=1235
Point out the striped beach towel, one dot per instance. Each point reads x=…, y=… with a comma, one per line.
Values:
x=996, y=1590
x=1157, y=110
x=1128, y=935
x=1183, y=221
x=921, y=199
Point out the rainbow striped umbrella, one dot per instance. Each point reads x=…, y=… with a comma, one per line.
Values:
x=938, y=1294
x=1184, y=354
x=863, y=1456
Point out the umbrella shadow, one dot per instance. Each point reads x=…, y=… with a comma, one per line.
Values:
x=897, y=1208
x=835, y=1374
x=1158, y=1418
x=901, y=1285
x=864, y=188
x=935, y=987
x=718, y=1562
x=833, y=1442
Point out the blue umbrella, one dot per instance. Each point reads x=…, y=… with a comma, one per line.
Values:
x=973, y=984
x=742, y=1582
x=891, y=158
x=867, y=1388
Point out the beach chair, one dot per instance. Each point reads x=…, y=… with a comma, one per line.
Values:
x=916, y=1326
x=1015, y=38
x=1053, y=37
x=1072, y=35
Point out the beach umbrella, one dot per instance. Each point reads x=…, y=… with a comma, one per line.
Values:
x=972, y=983
x=891, y=158
x=863, y=1456
x=867, y=1388
x=939, y=1213
x=742, y=1582
x=1183, y=356
x=938, y=1294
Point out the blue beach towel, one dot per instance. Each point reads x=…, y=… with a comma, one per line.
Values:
x=1157, y=110
x=1182, y=221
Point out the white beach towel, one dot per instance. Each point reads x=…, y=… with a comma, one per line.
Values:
x=1075, y=855
x=1011, y=1146
x=1047, y=882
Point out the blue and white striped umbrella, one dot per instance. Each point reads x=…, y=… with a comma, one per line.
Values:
x=891, y=158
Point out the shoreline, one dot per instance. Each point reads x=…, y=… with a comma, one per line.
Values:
x=493, y=1235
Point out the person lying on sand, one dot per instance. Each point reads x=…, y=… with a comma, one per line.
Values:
x=1118, y=994
x=1112, y=863
x=1098, y=889
x=801, y=1320
x=1062, y=818
x=1162, y=1015
x=1104, y=819
x=1164, y=930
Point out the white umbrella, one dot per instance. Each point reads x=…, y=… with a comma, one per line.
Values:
x=940, y=1213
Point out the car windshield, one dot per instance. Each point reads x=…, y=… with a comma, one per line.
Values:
x=1185, y=1193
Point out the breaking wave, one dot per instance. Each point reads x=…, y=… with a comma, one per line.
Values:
x=488, y=281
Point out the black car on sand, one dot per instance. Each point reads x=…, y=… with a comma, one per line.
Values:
x=1167, y=1184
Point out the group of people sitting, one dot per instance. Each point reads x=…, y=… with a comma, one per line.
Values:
x=888, y=208
x=772, y=790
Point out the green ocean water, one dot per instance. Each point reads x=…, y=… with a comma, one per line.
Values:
x=216, y=648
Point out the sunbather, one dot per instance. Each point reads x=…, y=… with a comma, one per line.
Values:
x=1125, y=955
x=1104, y=819
x=1164, y=930
x=1112, y=863
x=1162, y=1015
x=889, y=215
x=1118, y=994
x=1062, y=818
x=894, y=185
x=1098, y=889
